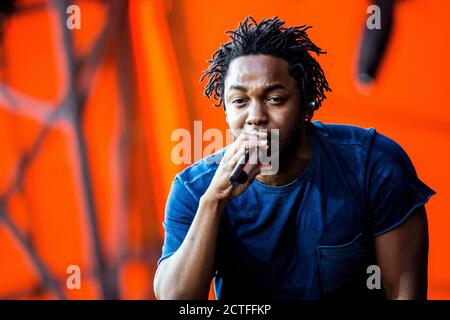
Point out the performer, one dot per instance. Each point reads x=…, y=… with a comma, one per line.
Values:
x=345, y=204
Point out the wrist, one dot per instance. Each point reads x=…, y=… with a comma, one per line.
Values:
x=213, y=201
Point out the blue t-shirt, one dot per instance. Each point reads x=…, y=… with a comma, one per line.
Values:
x=311, y=238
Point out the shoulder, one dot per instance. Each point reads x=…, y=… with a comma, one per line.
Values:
x=342, y=134
x=369, y=142
x=197, y=177
x=366, y=158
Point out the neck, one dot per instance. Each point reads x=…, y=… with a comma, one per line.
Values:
x=292, y=166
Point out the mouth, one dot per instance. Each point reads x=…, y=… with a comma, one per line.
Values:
x=256, y=130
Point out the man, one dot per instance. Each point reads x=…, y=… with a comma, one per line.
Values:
x=344, y=198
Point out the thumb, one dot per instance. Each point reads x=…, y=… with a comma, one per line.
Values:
x=254, y=172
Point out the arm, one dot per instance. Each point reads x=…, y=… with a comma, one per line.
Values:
x=402, y=255
x=188, y=272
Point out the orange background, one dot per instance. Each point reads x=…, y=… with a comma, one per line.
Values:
x=85, y=128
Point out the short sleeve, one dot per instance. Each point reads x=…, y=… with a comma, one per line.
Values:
x=393, y=187
x=180, y=210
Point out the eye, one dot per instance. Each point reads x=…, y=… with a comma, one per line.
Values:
x=238, y=102
x=276, y=100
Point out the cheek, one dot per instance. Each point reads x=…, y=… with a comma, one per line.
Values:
x=288, y=117
x=235, y=123
x=289, y=122
x=235, y=119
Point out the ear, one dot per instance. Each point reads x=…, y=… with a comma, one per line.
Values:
x=309, y=110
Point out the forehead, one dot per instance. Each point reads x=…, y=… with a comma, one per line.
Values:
x=258, y=71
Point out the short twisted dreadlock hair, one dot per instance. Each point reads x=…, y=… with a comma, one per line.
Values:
x=270, y=37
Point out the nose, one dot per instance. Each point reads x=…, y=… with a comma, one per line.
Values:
x=257, y=114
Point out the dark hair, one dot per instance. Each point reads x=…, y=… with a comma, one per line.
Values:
x=270, y=37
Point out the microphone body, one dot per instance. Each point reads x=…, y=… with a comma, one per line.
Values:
x=245, y=166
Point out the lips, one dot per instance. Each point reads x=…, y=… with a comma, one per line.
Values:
x=255, y=131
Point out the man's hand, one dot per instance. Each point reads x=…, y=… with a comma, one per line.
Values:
x=220, y=187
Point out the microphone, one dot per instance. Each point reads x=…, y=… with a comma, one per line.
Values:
x=246, y=164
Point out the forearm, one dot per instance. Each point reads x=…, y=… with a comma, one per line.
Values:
x=187, y=273
x=402, y=255
x=408, y=287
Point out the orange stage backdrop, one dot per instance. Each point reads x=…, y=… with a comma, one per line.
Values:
x=86, y=118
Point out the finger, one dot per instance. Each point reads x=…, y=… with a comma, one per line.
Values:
x=260, y=132
x=249, y=141
x=245, y=142
x=235, y=147
x=254, y=135
x=239, y=156
x=249, y=153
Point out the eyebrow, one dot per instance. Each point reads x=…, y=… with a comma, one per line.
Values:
x=266, y=89
x=237, y=87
